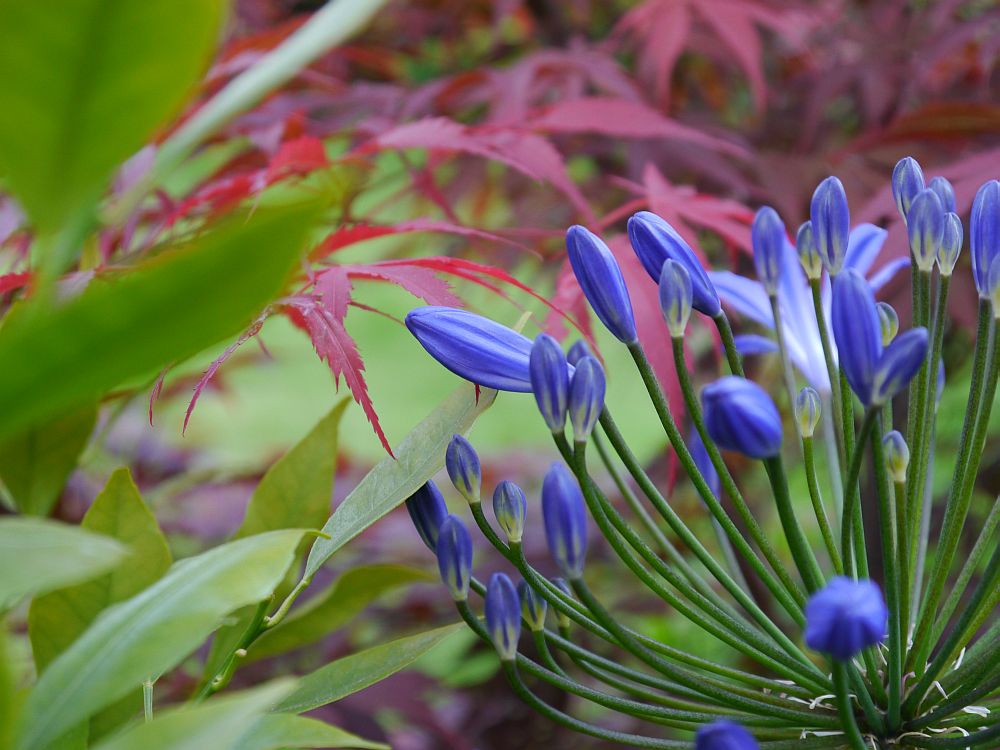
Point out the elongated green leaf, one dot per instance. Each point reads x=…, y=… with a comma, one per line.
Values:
x=216, y=724
x=83, y=85
x=148, y=634
x=9, y=700
x=345, y=676
x=38, y=556
x=161, y=312
x=342, y=601
x=418, y=458
x=34, y=466
x=58, y=619
x=275, y=731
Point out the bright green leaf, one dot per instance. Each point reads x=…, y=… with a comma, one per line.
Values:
x=342, y=677
x=216, y=724
x=85, y=84
x=276, y=731
x=150, y=633
x=57, y=619
x=38, y=556
x=135, y=323
x=342, y=601
x=34, y=465
x=392, y=481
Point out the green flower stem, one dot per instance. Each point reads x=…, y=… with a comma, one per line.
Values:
x=691, y=469
x=848, y=721
x=984, y=683
x=802, y=553
x=542, y=646
x=890, y=557
x=959, y=497
x=147, y=700
x=729, y=343
x=902, y=556
x=917, y=391
x=220, y=679
x=818, y=507
x=786, y=363
x=831, y=369
x=851, y=496
x=983, y=738
x=854, y=487
x=985, y=652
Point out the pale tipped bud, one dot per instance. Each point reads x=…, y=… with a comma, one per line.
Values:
x=897, y=455
x=888, y=320
x=951, y=244
x=675, y=297
x=808, y=408
x=805, y=245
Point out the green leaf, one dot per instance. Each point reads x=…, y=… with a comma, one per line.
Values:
x=275, y=731
x=150, y=633
x=135, y=323
x=34, y=465
x=57, y=619
x=84, y=86
x=342, y=601
x=217, y=723
x=9, y=699
x=418, y=458
x=38, y=556
x=342, y=677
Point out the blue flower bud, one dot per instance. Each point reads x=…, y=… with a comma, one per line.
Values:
x=586, y=397
x=699, y=454
x=740, y=416
x=549, y=380
x=951, y=244
x=945, y=192
x=898, y=364
x=676, y=297
x=427, y=510
x=503, y=615
x=768, y=236
x=578, y=351
x=805, y=245
x=602, y=283
x=533, y=606
x=510, y=506
x=808, y=408
x=888, y=321
x=561, y=618
x=462, y=463
x=907, y=181
x=831, y=223
x=984, y=233
x=897, y=455
x=473, y=347
x=856, y=331
x=724, y=735
x=925, y=227
x=565, y=519
x=655, y=241
x=454, y=554
x=845, y=617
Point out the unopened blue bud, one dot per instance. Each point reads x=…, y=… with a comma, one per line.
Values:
x=462, y=463
x=856, y=331
x=655, y=241
x=510, y=506
x=586, y=397
x=565, y=519
x=846, y=617
x=578, y=351
x=899, y=363
x=951, y=244
x=984, y=233
x=533, y=606
x=740, y=416
x=897, y=455
x=503, y=615
x=805, y=245
x=945, y=192
x=724, y=735
x=907, y=181
x=925, y=228
x=808, y=408
x=473, y=347
x=550, y=380
x=831, y=223
x=602, y=283
x=427, y=511
x=888, y=321
x=454, y=554
x=699, y=454
x=675, y=297
x=768, y=237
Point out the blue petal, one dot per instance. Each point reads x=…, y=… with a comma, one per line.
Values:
x=886, y=273
x=857, y=331
x=744, y=295
x=863, y=247
x=750, y=343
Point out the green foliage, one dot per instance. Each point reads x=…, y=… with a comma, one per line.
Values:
x=57, y=619
x=38, y=556
x=148, y=634
x=357, y=671
x=83, y=87
x=275, y=731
